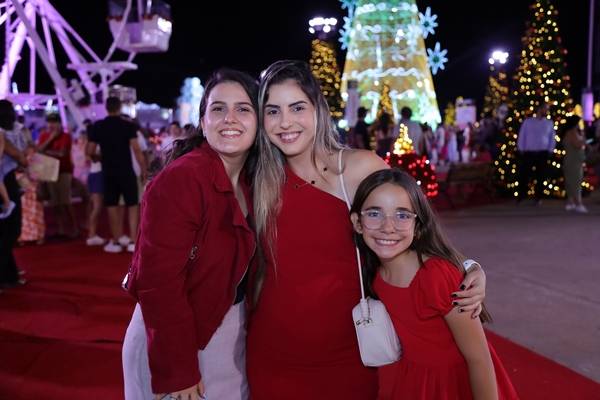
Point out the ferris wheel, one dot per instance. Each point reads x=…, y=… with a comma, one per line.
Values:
x=136, y=26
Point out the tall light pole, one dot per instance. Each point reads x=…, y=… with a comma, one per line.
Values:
x=496, y=95
x=587, y=96
x=322, y=26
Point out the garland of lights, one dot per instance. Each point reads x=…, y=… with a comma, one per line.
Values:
x=384, y=41
x=541, y=77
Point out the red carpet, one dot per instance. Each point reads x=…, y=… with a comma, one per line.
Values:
x=61, y=334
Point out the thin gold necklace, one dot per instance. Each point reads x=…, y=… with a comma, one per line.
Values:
x=311, y=182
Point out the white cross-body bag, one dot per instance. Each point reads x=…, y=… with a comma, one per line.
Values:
x=377, y=339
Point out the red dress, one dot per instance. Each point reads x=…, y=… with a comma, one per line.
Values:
x=301, y=340
x=432, y=367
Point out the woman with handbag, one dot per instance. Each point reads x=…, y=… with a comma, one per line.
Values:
x=413, y=269
x=301, y=341
x=187, y=335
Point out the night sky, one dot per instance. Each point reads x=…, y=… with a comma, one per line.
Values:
x=249, y=35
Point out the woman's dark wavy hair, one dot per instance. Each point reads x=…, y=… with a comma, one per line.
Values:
x=196, y=137
x=8, y=117
x=429, y=238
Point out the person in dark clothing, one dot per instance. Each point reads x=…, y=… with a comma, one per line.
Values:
x=117, y=138
x=361, y=130
x=10, y=227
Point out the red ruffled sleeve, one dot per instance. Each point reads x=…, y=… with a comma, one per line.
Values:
x=436, y=280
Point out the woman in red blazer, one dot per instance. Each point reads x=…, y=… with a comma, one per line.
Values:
x=194, y=246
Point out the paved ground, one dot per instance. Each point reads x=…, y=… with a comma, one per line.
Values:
x=543, y=275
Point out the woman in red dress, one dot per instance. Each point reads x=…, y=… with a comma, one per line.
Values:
x=301, y=341
x=413, y=269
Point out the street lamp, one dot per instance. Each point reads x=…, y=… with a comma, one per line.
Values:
x=322, y=26
x=498, y=56
x=497, y=91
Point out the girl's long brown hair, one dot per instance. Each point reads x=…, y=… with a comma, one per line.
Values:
x=429, y=238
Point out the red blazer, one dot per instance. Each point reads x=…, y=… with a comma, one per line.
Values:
x=193, y=248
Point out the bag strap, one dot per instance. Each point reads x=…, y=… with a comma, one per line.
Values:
x=362, y=289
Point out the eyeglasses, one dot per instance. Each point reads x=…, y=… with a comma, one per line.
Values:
x=374, y=220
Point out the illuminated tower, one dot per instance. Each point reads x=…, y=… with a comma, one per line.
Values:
x=385, y=43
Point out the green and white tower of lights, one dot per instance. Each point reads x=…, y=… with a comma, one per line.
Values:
x=385, y=43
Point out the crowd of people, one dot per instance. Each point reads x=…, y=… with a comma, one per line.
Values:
x=239, y=288
x=446, y=144
x=481, y=142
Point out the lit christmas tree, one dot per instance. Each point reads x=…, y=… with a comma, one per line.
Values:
x=324, y=67
x=450, y=114
x=419, y=167
x=541, y=78
x=385, y=42
x=385, y=102
x=497, y=91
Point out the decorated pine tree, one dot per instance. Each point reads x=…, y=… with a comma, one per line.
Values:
x=496, y=92
x=450, y=114
x=541, y=78
x=419, y=167
x=385, y=102
x=385, y=42
x=324, y=67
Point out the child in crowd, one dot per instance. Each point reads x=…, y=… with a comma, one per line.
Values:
x=7, y=206
x=413, y=269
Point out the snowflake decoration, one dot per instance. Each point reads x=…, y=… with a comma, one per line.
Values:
x=427, y=22
x=348, y=4
x=437, y=58
x=344, y=39
x=345, y=33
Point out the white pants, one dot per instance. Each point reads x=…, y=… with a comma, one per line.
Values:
x=222, y=363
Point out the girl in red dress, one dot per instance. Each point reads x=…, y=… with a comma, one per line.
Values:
x=413, y=269
x=301, y=341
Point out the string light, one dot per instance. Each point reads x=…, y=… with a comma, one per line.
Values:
x=541, y=78
x=324, y=67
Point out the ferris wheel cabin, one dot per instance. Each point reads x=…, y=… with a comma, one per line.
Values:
x=140, y=26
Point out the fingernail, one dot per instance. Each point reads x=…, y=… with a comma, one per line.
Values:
x=475, y=316
x=461, y=310
x=455, y=303
x=462, y=287
x=453, y=295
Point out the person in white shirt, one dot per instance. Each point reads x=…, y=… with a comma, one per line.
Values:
x=415, y=132
x=535, y=143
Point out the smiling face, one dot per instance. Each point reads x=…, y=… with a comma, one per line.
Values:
x=388, y=243
x=289, y=119
x=229, y=122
